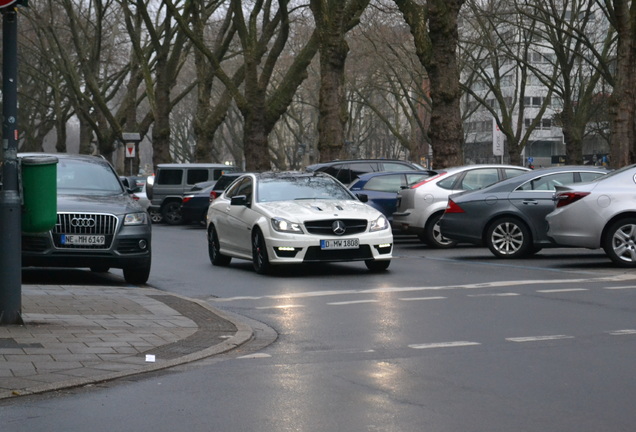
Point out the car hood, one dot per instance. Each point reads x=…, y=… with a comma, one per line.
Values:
x=113, y=204
x=319, y=209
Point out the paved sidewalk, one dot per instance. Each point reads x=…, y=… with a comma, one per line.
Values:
x=77, y=335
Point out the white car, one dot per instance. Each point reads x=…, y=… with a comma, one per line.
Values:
x=601, y=213
x=421, y=206
x=291, y=217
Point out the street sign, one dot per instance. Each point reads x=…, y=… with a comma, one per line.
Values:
x=130, y=149
x=497, y=139
x=5, y=3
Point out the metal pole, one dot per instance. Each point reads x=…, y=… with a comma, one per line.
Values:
x=10, y=203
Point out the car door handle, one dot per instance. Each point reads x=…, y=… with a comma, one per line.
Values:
x=530, y=202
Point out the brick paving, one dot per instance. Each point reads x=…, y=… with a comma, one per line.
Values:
x=77, y=335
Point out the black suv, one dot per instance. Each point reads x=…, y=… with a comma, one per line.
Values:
x=347, y=170
x=99, y=225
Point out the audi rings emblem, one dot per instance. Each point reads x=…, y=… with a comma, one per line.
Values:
x=83, y=222
x=338, y=227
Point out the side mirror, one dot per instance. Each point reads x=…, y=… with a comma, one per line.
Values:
x=239, y=200
x=363, y=197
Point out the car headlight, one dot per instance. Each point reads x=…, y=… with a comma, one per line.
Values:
x=136, y=218
x=283, y=225
x=379, y=224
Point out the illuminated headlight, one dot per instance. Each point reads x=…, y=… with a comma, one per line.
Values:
x=379, y=224
x=135, y=219
x=283, y=225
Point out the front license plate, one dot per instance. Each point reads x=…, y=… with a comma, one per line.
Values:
x=83, y=240
x=340, y=244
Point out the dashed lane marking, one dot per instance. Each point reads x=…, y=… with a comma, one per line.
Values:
x=538, y=338
x=620, y=287
x=422, y=298
x=562, y=290
x=352, y=302
x=443, y=345
x=623, y=332
x=499, y=284
x=494, y=295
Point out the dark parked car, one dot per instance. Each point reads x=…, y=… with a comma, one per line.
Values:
x=195, y=203
x=99, y=225
x=509, y=216
x=347, y=170
x=379, y=189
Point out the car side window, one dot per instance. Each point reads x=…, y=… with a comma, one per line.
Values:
x=589, y=176
x=479, y=178
x=394, y=166
x=513, y=172
x=348, y=172
x=170, y=176
x=386, y=183
x=233, y=190
x=448, y=182
x=197, y=176
x=414, y=178
x=246, y=188
x=548, y=182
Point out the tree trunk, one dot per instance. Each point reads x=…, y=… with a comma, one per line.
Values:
x=621, y=105
x=333, y=114
x=255, y=132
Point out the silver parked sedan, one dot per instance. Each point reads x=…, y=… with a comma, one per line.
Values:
x=599, y=214
x=421, y=206
x=509, y=216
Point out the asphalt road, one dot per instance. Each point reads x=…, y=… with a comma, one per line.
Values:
x=446, y=340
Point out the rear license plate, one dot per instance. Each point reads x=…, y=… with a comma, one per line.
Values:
x=340, y=244
x=83, y=240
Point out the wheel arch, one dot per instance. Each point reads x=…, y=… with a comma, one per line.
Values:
x=505, y=215
x=616, y=217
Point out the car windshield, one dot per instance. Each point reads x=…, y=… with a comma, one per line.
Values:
x=301, y=188
x=85, y=177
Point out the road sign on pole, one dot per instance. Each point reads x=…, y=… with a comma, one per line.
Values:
x=130, y=149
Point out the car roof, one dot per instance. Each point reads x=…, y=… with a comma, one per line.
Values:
x=65, y=156
x=337, y=161
x=367, y=176
x=195, y=165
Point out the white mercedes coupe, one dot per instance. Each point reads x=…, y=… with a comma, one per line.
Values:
x=277, y=218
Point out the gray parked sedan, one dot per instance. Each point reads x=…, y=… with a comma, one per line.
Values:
x=509, y=216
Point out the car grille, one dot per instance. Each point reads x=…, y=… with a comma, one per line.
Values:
x=315, y=254
x=324, y=227
x=85, y=224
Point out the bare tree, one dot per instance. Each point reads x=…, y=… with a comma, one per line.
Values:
x=434, y=28
x=622, y=106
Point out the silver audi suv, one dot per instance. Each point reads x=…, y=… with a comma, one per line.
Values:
x=99, y=225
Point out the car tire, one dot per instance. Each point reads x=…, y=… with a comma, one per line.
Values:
x=432, y=235
x=509, y=238
x=155, y=216
x=377, y=266
x=137, y=275
x=171, y=213
x=619, y=242
x=260, y=259
x=216, y=257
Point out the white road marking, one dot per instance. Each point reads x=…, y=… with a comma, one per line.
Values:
x=538, y=338
x=494, y=295
x=622, y=332
x=422, y=298
x=254, y=356
x=620, y=287
x=352, y=302
x=290, y=306
x=443, y=345
x=562, y=290
x=297, y=295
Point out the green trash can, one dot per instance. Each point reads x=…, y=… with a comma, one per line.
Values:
x=39, y=193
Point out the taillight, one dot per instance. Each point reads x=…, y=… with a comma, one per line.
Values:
x=453, y=207
x=187, y=198
x=416, y=185
x=566, y=198
x=135, y=197
x=213, y=195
